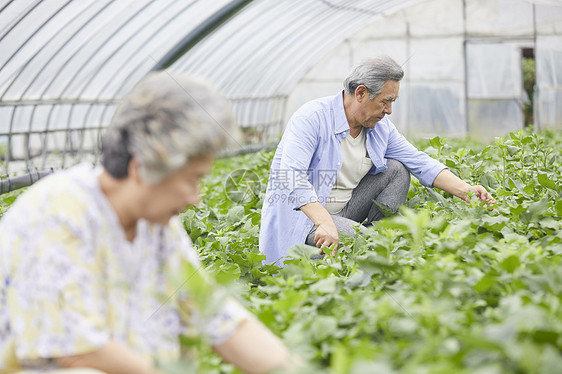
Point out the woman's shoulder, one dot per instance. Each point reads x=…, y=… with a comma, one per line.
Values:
x=64, y=194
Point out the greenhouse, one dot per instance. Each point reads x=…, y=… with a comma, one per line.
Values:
x=66, y=64
x=444, y=282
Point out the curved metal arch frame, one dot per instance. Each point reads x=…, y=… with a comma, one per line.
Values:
x=177, y=51
x=45, y=132
x=234, y=72
x=93, y=76
x=200, y=32
x=123, y=65
x=8, y=148
x=264, y=88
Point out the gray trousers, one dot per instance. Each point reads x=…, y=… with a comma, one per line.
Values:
x=389, y=188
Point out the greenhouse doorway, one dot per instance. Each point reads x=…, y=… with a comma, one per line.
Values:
x=529, y=82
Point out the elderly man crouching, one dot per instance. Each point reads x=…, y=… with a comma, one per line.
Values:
x=339, y=154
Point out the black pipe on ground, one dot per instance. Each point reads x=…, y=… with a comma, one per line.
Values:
x=14, y=183
x=26, y=180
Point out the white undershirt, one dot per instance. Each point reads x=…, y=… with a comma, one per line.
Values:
x=356, y=164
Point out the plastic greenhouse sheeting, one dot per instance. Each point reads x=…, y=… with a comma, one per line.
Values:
x=549, y=82
x=65, y=64
x=494, y=88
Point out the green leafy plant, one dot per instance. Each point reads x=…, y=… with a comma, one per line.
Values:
x=440, y=287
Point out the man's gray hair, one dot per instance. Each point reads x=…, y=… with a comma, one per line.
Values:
x=372, y=74
x=165, y=121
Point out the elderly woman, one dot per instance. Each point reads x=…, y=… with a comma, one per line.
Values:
x=97, y=271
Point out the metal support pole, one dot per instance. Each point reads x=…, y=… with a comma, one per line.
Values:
x=200, y=32
x=536, y=93
x=464, y=55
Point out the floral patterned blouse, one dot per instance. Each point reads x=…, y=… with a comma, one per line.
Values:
x=70, y=281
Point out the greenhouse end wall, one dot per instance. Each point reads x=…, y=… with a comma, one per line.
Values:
x=461, y=78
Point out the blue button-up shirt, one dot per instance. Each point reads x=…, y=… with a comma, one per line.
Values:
x=308, y=160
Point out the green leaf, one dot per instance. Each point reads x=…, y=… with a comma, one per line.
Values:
x=371, y=262
x=436, y=142
x=327, y=285
x=302, y=251
x=359, y=279
x=384, y=209
x=545, y=181
x=450, y=163
x=503, y=332
x=510, y=263
x=495, y=223
x=529, y=189
x=512, y=150
x=551, y=360
x=291, y=299
x=535, y=211
x=485, y=283
x=9, y=200
x=550, y=223
x=227, y=273
x=235, y=215
x=546, y=336
x=526, y=140
x=488, y=181
x=360, y=243
x=323, y=327
x=341, y=359
x=558, y=208
x=515, y=184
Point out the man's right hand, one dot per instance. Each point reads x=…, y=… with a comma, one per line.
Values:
x=326, y=231
x=326, y=235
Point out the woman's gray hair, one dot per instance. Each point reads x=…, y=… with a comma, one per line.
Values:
x=372, y=74
x=165, y=121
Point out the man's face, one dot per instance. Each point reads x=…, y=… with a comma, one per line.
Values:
x=173, y=194
x=372, y=111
